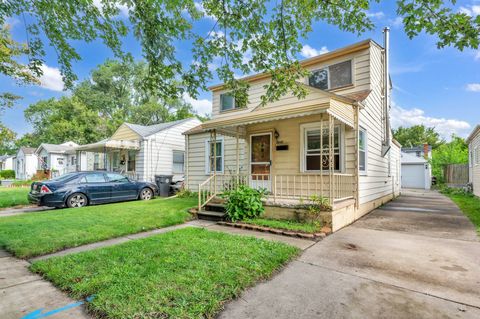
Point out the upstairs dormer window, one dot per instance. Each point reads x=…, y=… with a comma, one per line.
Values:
x=333, y=76
x=227, y=102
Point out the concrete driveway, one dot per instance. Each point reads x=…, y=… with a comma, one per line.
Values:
x=416, y=257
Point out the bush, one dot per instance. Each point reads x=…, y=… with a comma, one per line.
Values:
x=244, y=202
x=7, y=174
x=186, y=193
x=22, y=183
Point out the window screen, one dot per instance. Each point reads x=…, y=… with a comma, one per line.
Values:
x=340, y=74
x=227, y=102
x=362, y=150
x=178, y=161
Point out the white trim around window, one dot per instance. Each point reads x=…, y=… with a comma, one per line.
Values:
x=363, y=149
x=207, y=152
x=304, y=128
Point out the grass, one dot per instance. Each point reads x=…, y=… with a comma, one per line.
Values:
x=36, y=234
x=305, y=227
x=13, y=196
x=188, y=273
x=469, y=205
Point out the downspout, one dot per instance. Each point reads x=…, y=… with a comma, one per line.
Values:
x=386, y=87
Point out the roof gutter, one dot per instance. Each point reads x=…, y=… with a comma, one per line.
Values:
x=386, y=87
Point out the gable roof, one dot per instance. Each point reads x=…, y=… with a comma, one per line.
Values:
x=355, y=47
x=27, y=150
x=474, y=133
x=5, y=157
x=412, y=159
x=145, y=131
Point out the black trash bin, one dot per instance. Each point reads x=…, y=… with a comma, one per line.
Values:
x=163, y=182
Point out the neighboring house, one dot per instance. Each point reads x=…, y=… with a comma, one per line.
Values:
x=26, y=162
x=336, y=142
x=6, y=162
x=416, y=169
x=474, y=159
x=141, y=152
x=57, y=158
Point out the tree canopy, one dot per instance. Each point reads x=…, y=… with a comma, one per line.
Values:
x=417, y=135
x=98, y=106
x=247, y=36
x=453, y=152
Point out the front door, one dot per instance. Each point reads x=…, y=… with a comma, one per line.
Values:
x=261, y=161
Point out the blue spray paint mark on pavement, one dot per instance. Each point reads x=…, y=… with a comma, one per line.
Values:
x=38, y=313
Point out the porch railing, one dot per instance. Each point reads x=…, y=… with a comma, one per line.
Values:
x=335, y=186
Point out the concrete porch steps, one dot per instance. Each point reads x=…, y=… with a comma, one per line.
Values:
x=214, y=211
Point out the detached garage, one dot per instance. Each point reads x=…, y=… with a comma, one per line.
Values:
x=416, y=172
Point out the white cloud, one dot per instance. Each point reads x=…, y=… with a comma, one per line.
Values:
x=402, y=69
x=472, y=11
x=477, y=55
x=202, y=106
x=415, y=116
x=51, y=78
x=123, y=8
x=397, y=22
x=375, y=15
x=199, y=7
x=473, y=87
x=309, y=52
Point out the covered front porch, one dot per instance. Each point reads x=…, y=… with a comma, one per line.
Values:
x=293, y=152
x=111, y=155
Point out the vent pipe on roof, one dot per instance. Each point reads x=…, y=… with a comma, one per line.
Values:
x=386, y=93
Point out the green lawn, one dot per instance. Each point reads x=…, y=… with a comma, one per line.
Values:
x=13, y=196
x=35, y=234
x=304, y=227
x=469, y=205
x=188, y=273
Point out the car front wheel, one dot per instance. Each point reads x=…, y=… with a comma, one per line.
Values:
x=146, y=194
x=77, y=200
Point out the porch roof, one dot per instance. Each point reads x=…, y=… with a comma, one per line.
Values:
x=109, y=144
x=318, y=102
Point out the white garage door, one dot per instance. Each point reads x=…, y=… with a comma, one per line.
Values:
x=413, y=176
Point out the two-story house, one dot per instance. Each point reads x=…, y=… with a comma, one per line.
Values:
x=335, y=143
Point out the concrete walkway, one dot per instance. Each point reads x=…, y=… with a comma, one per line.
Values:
x=22, y=292
x=22, y=210
x=416, y=257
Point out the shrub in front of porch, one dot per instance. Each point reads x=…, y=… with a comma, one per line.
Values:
x=244, y=202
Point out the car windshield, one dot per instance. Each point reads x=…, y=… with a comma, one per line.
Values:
x=63, y=178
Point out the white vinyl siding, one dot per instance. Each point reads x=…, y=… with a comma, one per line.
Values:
x=474, y=147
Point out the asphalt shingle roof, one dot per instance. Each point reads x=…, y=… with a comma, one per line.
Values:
x=145, y=131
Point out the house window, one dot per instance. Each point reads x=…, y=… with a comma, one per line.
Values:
x=333, y=76
x=227, y=102
x=316, y=151
x=44, y=162
x=362, y=151
x=214, y=161
x=60, y=160
x=116, y=160
x=178, y=162
x=73, y=160
x=477, y=155
x=132, y=156
x=96, y=161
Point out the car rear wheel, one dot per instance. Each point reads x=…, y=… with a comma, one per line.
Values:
x=77, y=200
x=146, y=194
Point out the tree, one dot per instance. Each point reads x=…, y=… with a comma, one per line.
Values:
x=10, y=50
x=453, y=152
x=66, y=119
x=7, y=140
x=98, y=106
x=417, y=135
x=269, y=31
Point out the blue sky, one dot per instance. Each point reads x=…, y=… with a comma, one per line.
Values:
x=435, y=87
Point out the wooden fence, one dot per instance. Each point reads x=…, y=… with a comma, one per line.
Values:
x=455, y=174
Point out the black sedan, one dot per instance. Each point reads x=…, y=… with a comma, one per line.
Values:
x=88, y=188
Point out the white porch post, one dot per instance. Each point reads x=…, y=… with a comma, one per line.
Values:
x=321, y=155
x=215, y=161
x=238, y=155
x=356, y=172
x=331, y=158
